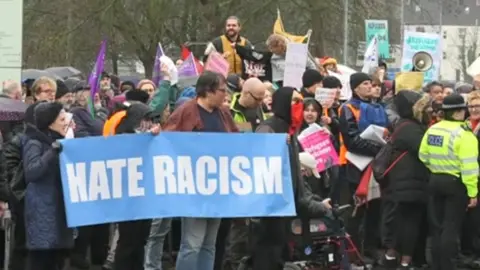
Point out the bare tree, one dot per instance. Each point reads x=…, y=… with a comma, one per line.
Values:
x=468, y=50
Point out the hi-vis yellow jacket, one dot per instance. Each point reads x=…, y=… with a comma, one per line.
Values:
x=450, y=147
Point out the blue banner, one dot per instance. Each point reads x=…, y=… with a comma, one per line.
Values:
x=132, y=177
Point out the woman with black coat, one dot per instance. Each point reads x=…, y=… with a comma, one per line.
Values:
x=47, y=236
x=404, y=193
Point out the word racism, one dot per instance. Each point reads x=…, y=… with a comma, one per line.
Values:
x=116, y=178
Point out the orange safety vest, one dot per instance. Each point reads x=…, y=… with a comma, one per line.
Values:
x=342, y=156
x=111, y=124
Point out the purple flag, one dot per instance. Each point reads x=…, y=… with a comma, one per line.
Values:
x=156, y=76
x=188, y=67
x=94, y=78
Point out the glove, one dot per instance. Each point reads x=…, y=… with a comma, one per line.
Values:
x=57, y=146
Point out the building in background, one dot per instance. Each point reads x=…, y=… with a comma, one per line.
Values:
x=458, y=23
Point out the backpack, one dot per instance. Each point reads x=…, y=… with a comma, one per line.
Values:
x=368, y=114
x=387, y=158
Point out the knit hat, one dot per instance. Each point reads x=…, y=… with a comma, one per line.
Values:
x=46, y=113
x=358, y=78
x=137, y=95
x=463, y=88
x=331, y=82
x=311, y=77
x=143, y=82
x=454, y=102
x=30, y=112
x=81, y=86
x=62, y=89
x=233, y=83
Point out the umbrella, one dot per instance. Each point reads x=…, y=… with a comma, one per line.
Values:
x=64, y=72
x=346, y=70
x=37, y=73
x=12, y=109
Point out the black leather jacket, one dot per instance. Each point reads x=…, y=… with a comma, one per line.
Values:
x=12, y=184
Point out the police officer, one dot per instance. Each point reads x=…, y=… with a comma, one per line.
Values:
x=449, y=149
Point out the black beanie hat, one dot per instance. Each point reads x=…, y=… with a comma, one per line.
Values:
x=137, y=95
x=331, y=82
x=358, y=78
x=311, y=77
x=233, y=83
x=62, y=89
x=46, y=113
x=81, y=86
x=30, y=112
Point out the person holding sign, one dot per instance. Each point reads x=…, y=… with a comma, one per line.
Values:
x=270, y=234
x=130, y=251
x=204, y=114
x=225, y=44
x=311, y=80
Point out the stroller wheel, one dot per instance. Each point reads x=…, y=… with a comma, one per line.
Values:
x=291, y=266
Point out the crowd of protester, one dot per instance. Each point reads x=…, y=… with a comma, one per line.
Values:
x=394, y=231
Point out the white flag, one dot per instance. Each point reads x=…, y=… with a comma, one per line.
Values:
x=370, y=59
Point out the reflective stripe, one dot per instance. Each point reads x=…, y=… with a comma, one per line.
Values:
x=469, y=160
x=469, y=172
x=442, y=168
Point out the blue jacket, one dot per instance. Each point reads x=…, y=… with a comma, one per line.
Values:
x=45, y=219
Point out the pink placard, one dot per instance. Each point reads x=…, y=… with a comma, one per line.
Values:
x=320, y=146
x=217, y=63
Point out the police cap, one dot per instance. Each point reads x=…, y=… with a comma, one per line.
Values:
x=454, y=102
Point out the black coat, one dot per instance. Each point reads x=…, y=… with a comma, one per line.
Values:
x=408, y=179
x=12, y=182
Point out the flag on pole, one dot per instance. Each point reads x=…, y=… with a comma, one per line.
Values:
x=280, y=30
x=94, y=78
x=186, y=53
x=188, y=67
x=156, y=74
x=370, y=58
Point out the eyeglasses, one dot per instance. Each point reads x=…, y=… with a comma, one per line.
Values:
x=47, y=91
x=256, y=98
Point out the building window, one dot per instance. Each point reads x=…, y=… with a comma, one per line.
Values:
x=444, y=34
x=462, y=32
x=444, y=56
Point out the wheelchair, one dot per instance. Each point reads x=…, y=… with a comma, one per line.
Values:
x=319, y=244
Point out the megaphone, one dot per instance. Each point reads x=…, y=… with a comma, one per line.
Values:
x=422, y=61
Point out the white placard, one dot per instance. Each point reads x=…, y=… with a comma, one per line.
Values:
x=295, y=64
x=325, y=96
x=11, y=26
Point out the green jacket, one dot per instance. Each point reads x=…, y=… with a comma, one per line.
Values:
x=166, y=94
